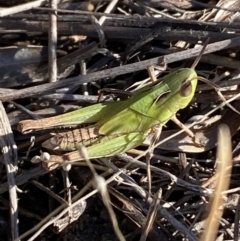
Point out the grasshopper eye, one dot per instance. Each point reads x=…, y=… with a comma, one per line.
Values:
x=186, y=88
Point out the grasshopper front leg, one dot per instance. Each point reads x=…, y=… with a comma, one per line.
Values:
x=182, y=126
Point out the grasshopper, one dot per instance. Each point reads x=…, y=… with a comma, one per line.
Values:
x=120, y=126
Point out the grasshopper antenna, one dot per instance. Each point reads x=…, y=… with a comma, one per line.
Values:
x=186, y=87
x=214, y=86
x=200, y=54
x=217, y=89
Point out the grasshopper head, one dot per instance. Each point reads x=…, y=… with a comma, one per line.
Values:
x=188, y=81
x=186, y=87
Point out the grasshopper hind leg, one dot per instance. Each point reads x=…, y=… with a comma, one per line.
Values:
x=187, y=130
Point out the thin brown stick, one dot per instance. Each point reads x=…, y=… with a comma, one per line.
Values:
x=52, y=43
x=151, y=214
x=129, y=68
x=22, y=7
x=9, y=150
x=143, y=19
x=109, y=8
x=116, y=33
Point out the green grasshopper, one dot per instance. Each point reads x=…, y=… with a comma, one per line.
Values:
x=120, y=126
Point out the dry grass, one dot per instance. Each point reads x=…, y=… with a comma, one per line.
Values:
x=50, y=68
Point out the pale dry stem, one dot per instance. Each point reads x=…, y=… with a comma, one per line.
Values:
x=223, y=172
